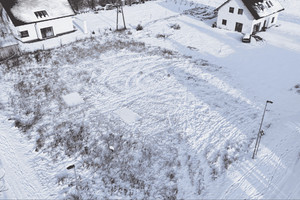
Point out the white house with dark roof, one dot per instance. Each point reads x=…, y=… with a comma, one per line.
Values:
x=33, y=20
x=248, y=16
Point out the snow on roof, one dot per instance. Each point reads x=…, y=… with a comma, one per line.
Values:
x=25, y=11
x=8, y=41
x=260, y=8
x=6, y=37
x=263, y=8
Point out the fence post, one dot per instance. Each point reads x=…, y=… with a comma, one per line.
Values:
x=85, y=27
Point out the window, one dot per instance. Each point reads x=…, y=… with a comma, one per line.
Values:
x=240, y=11
x=238, y=27
x=273, y=19
x=231, y=9
x=261, y=7
x=270, y=3
x=224, y=22
x=24, y=34
x=41, y=14
x=256, y=28
x=47, y=32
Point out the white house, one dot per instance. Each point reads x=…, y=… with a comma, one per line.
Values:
x=38, y=19
x=248, y=16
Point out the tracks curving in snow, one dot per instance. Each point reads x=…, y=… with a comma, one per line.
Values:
x=20, y=180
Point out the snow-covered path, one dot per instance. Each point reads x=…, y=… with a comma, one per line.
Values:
x=20, y=180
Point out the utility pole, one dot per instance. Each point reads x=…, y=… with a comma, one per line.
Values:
x=119, y=7
x=260, y=132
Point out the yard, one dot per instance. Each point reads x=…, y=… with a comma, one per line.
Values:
x=197, y=93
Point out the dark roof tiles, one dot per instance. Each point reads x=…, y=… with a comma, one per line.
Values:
x=263, y=8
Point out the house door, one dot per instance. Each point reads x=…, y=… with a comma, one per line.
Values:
x=47, y=32
x=265, y=25
x=238, y=27
x=256, y=28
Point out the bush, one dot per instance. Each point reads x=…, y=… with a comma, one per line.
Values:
x=139, y=27
x=164, y=36
x=175, y=26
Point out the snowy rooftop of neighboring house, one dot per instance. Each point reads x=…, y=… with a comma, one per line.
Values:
x=30, y=11
x=260, y=8
x=6, y=37
x=263, y=8
x=6, y=42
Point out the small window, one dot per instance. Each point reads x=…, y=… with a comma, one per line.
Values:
x=224, y=22
x=231, y=9
x=240, y=11
x=270, y=3
x=41, y=14
x=273, y=19
x=24, y=34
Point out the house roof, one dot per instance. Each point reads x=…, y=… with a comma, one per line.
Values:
x=6, y=37
x=263, y=8
x=222, y=5
x=260, y=8
x=23, y=12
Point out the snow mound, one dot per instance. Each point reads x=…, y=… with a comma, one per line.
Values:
x=73, y=99
x=127, y=115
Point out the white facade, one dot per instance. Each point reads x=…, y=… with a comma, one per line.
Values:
x=35, y=30
x=235, y=11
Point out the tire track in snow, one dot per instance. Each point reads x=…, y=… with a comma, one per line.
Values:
x=154, y=81
x=20, y=179
x=201, y=108
x=243, y=178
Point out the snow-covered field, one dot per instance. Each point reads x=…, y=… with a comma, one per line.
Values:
x=162, y=112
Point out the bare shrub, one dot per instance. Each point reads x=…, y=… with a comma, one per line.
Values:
x=175, y=26
x=163, y=36
x=135, y=164
x=139, y=27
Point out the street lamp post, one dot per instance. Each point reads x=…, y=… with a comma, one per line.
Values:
x=260, y=132
x=76, y=180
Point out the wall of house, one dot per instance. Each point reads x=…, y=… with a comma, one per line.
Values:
x=60, y=26
x=268, y=20
x=246, y=18
x=31, y=32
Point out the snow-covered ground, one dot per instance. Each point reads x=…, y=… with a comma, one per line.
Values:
x=21, y=179
x=193, y=108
